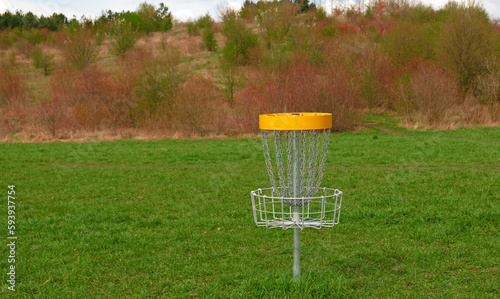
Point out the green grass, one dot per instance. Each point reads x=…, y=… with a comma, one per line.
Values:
x=187, y=59
x=178, y=32
x=135, y=219
x=210, y=64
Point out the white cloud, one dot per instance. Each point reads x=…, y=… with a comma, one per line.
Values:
x=186, y=10
x=493, y=9
x=235, y=5
x=48, y=7
x=184, y=14
x=5, y=5
x=436, y=4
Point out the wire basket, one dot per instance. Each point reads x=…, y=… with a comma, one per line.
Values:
x=272, y=211
x=295, y=166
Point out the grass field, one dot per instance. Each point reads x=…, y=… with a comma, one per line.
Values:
x=136, y=219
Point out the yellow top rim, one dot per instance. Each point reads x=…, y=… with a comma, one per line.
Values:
x=295, y=121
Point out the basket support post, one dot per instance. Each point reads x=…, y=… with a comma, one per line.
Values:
x=296, y=208
x=296, y=248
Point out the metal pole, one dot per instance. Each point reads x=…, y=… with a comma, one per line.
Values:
x=296, y=209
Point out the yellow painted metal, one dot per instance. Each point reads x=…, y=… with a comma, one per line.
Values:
x=295, y=121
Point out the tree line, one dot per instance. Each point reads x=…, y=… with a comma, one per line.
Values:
x=147, y=18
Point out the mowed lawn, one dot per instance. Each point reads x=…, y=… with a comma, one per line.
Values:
x=173, y=219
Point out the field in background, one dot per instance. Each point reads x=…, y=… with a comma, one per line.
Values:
x=119, y=78
x=140, y=219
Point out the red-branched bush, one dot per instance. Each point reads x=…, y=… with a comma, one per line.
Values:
x=434, y=93
x=376, y=78
x=196, y=107
x=13, y=97
x=97, y=100
x=52, y=117
x=425, y=95
x=301, y=87
x=12, y=87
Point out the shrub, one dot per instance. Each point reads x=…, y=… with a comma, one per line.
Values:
x=149, y=19
x=14, y=110
x=73, y=25
x=239, y=42
x=91, y=115
x=4, y=39
x=63, y=84
x=134, y=61
x=338, y=95
x=164, y=18
x=12, y=87
x=407, y=41
x=205, y=22
x=229, y=72
x=208, y=40
x=395, y=8
x=309, y=40
x=374, y=70
x=192, y=28
x=156, y=86
x=42, y=60
x=488, y=86
x=419, y=13
x=275, y=21
x=72, y=88
x=52, y=116
x=248, y=10
x=466, y=40
x=195, y=102
x=369, y=90
x=23, y=48
x=328, y=31
x=427, y=93
x=434, y=93
x=147, y=12
x=80, y=49
x=403, y=100
x=239, y=39
x=124, y=37
x=321, y=13
x=94, y=99
x=328, y=89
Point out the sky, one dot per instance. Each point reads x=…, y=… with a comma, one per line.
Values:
x=182, y=9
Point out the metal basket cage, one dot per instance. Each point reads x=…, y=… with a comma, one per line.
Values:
x=272, y=211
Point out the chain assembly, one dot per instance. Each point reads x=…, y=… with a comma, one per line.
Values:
x=312, y=154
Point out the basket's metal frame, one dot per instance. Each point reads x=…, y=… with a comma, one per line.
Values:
x=303, y=207
x=272, y=211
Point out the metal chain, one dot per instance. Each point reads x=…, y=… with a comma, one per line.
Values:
x=321, y=167
x=279, y=161
x=267, y=157
x=289, y=147
x=302, y=155
x=312, y=160
x=311, y=168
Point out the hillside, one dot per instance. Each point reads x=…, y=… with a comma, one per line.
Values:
x=423, y=68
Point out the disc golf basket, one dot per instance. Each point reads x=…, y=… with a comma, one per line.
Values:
x=295, y=165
